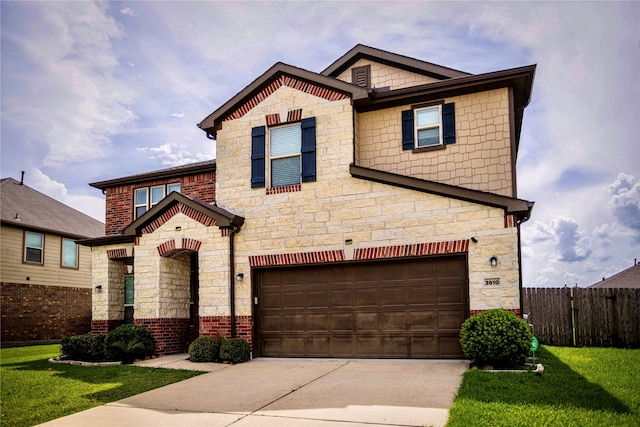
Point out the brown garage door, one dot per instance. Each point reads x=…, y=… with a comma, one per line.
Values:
x=403, y=309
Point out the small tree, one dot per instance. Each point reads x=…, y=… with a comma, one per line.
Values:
x=497, y=338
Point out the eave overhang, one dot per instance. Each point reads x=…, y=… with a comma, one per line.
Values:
x=175, y=172
x=115, y=239
x=512, y=206
x=26, y=226
x=392, y=59
x=213, y=122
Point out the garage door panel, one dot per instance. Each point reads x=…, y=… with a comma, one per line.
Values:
x=366, y=297
x=398, y=308
x=396, y=321
x=421, y=294
x=342, y=322
x=367, y=321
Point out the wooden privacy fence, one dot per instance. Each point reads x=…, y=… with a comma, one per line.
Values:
x=599, y=317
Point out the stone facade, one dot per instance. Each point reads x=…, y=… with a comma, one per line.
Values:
x=337, y=217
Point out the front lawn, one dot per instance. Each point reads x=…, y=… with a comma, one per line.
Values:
x=35, y=391
x=579, y=387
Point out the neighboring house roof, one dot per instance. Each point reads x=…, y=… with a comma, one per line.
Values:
x=629, y=278
x=174, y=172
x=220, y=217
x=452, y=83
x=520, y=208
x=22, y=206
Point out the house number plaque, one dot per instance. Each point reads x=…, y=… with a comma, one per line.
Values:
x=492, y=282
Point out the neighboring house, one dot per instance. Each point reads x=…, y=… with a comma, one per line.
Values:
x=364, y=211
x=45, y=275
x=629, y=278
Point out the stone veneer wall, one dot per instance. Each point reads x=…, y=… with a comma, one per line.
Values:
x=383, y=75
x=40, y=313
x=320, y=216
x=480, y=159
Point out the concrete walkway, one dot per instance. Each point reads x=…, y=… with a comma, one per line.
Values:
x=289, y=392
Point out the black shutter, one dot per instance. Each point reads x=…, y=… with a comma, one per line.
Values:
x=407, y=130
x=448, y=124
x=308, y=127
x=257, y=157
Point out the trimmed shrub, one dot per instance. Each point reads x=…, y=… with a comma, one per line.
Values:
x=128, y=341
x=87, y=347
x=496, y=338
x=204, y=349
x=235, y=350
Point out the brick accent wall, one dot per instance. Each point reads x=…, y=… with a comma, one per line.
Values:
x=170, y=336
x=103, y=327
x=36, y=312
x=119, y=200
x=220, y=326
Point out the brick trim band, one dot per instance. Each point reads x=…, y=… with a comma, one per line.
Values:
x=509, y=221
x=328, y=94
x=284, y=189
x=116, y=253
x=173, y=211
x=296, y=258
x=169, y=249
x=418, y=249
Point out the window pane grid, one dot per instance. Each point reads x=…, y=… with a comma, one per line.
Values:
x=69, y=253
x=428, y=128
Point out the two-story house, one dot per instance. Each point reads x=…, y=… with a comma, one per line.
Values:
x=363, y=211
x=45, y=275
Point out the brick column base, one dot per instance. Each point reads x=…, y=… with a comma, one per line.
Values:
x=170, y=336
x=220, y=326
x=103, y=327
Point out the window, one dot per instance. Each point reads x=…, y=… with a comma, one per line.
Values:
x=69, y=253
x=33, y=247
x=284, y=154
x=291, y=155
x=428, y=129
x=427, y=126
x=147, y=197
x=157, y=194
x=173, y=187
x=129, y=294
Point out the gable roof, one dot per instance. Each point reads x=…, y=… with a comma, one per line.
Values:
x=629, y=278
x=413, y=65
x=452, y=83
x=22, y=206
x=213, y=122
x=174, y=172
x=512, y=206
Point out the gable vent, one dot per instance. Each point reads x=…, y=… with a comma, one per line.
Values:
x=361, y=76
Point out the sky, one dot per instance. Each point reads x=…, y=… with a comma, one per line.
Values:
x=92, y=91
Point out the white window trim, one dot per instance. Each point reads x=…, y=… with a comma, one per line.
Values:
x=269, y=157
x=26, y=246
x=164, y=194
x=418, y=128
x=62, y=264
x=138, y=205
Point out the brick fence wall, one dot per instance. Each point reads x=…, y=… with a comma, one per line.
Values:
x=40, y=313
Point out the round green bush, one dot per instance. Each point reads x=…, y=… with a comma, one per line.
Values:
x=86, y=347
x=204, y=349
x=496, y=338
x=128, y=341
x=235, y=350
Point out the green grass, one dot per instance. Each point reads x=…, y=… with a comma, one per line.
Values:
x=35, y=391
x=579, y=387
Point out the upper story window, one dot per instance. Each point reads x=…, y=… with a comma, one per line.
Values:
x=69, y=253
x=284, y=155
x=147, y=197
x=429, y=126
x=290, y=158
x=33, y=247
x=428, y=129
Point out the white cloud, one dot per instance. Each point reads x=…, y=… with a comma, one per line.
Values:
x=171, y=154
x=127, y=11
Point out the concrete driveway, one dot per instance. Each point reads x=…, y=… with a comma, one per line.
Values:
x=291, y=392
